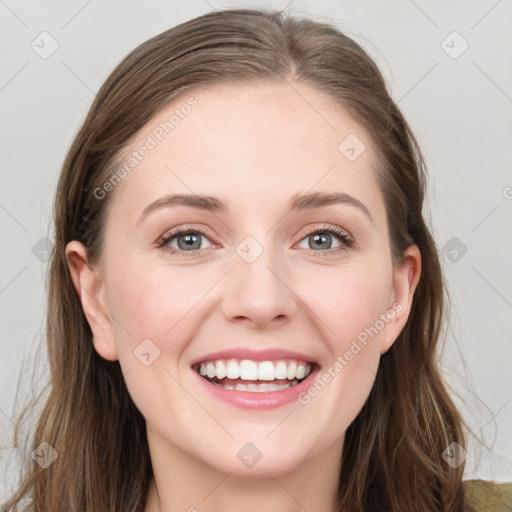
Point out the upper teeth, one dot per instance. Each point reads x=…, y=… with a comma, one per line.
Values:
x=247, y=369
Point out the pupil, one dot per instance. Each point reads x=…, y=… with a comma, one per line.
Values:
x=317, y=238
x=189, y=241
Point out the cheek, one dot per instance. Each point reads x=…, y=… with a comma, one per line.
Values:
x=350, y=302
x=151, y=303
x=151, y=307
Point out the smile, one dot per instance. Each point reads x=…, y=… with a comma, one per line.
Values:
x=254, y=376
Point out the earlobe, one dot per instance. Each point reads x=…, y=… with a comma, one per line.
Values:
x=91, y=291
x=406, y=276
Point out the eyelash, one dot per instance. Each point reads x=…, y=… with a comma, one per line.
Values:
x=344, y=238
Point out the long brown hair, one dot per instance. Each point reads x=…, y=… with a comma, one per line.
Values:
x=392, y=456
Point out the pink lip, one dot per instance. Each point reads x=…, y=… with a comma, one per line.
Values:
x=254, y=355
x=255, y=400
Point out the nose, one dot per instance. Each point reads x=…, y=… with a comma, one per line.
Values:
x=259, y=293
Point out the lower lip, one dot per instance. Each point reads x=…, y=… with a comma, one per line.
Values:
x=258, y=400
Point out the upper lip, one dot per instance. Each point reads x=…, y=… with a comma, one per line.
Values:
x=271, y=354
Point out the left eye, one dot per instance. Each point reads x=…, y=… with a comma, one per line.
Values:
x=316, y=240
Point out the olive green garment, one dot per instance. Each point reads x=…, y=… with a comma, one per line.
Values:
x=485, y=496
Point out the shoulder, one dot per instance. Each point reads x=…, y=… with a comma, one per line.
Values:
x=487, y=496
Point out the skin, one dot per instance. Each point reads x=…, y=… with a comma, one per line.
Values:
x=255, y=146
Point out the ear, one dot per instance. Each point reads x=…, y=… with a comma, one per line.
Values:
x=406, y=276
x=92, y=293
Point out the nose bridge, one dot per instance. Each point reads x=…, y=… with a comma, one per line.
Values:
x=258, y=290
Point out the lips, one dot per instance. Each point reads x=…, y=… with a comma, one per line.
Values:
x=254, y=378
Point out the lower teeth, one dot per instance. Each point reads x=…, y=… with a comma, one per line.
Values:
x=258, y=388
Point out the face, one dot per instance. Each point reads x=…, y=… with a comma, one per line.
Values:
x=282, y=271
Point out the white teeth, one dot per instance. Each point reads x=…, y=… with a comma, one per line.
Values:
x=233, y=370
x=266, y=371
x=210, y=370
x=292, y=367
x=221, y=369
x=259, y=388
x=247, y=369
x=281, y=370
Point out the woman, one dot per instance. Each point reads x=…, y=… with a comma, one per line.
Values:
x=244, y=297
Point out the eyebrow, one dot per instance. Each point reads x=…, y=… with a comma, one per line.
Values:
x=216, y=205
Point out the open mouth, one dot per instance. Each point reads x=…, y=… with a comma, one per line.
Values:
x=254, y=376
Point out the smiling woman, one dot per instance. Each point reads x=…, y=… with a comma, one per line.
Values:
x=247, y=317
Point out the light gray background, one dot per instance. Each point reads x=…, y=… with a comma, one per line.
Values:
x=460, y=109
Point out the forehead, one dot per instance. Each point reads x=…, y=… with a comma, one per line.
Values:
x=251, y=143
